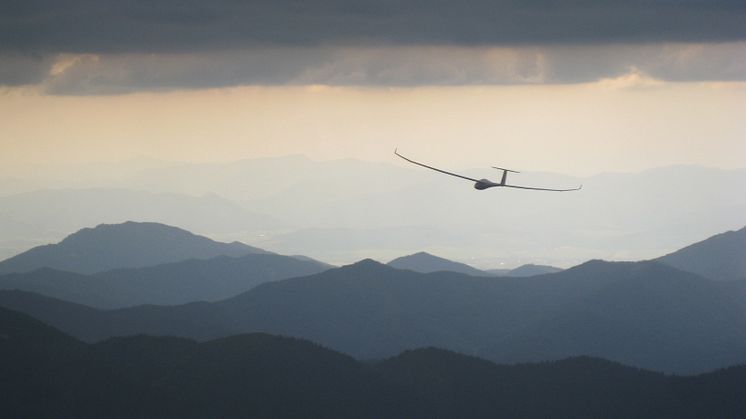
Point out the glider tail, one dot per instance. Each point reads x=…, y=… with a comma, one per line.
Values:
x=505, y=173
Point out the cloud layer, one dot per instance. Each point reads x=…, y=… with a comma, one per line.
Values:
x=105, y=26
x=107, y=46
x=388, y=66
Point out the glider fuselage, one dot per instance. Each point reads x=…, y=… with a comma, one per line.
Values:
x=483, y=184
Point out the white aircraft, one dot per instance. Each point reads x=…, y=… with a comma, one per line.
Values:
x=482, y=184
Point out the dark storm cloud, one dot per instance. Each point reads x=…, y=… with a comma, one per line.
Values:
x=107, y=26
x=17, y=69
x=124, y=73
x=114, y=46
x=401, y=66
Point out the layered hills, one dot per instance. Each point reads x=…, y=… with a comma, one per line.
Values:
x=167, y=284
x=49, y=374
x=426, y=263
x=643, y=314
x=126, y=245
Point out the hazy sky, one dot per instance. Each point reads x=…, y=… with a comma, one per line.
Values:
x=580, y=129
x=575, y=87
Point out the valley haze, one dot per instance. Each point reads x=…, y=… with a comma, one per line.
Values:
x=341, y=211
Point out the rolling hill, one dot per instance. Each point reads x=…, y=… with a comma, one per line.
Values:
x=425, y=263
x=721, y=257
x=48, y=215
x=49, y=374
x=642, y=314
x=651, y=316
x=126, y=245
x=168, y=284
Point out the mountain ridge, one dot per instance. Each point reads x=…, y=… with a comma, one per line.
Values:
x=172, y=283
x=126, y=245
x=370, y=310
x=719, y=257
x=424, y=262
x=262, y=375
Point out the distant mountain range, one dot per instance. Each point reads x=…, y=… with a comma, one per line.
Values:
x=721, y=257
x=66, y=270
x=48, y=215
x=126, y=245
x=426, y=263
x=319, y=209
x=167, y=284
x=530, y=269
x=46, y=374
x=643, y=314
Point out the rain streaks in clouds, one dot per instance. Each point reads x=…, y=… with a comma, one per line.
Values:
x=109, y=47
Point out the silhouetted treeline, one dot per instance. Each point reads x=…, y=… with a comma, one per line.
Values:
x=46, y=374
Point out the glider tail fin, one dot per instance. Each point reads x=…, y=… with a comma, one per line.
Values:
x=505, y=173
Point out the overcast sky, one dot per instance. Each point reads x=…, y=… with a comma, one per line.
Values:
x=108, y=46
x=581, y=86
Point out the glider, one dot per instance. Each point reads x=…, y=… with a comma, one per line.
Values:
x=482, y=184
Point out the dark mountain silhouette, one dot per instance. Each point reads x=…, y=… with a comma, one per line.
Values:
x=655, y=317
x=198, y=320
x=18, y=330
x=643, y=314
x=370, y=311
x=48, y=374
x=242, y=376
x=126, y=245
x=425, y=263
x=721, y=257
x=168, y=284
x=75, y=319
x=32, y=355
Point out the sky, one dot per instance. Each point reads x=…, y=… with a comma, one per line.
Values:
x=578, y=87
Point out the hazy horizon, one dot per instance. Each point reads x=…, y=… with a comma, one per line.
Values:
x=642, y=103
x=400, y=209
